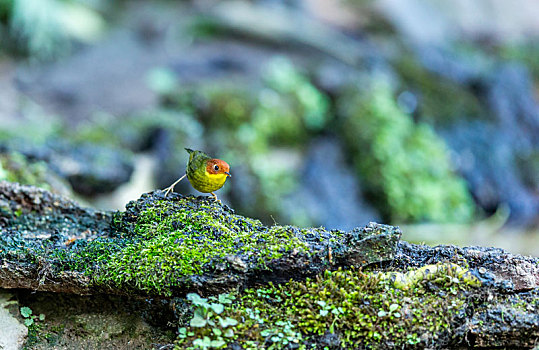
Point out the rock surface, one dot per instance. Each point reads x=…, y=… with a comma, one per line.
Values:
x=89, y=168
x=13, y=334
x=168, y=247
x=327, y=175
x=52, y=244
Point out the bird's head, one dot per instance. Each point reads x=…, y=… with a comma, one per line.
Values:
x=218, y=167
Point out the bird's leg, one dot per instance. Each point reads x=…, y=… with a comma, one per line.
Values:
x=171, y=187
x=214, y=196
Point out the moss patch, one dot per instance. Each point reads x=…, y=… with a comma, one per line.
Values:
x=170, y=246
x=15, y=167
x=405, y=162
x=175, y=239
x=348, y=309
x=159, y=245
x=260, y=128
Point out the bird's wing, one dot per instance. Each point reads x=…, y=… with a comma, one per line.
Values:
x=197, y=160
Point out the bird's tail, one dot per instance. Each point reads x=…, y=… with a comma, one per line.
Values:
x=189, y=150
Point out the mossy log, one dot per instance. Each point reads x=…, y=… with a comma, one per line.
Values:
x=362, y=288
x=164, y=246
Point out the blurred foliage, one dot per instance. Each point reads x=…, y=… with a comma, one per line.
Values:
x=405, y=165
x=15, y=167
x=162, y=80
x=284, y=113
x=134, y=132
x=43, y=28
x=313, y=106
x=529, y=168
x=526, y=53
x=433, y=93
x=260, y=128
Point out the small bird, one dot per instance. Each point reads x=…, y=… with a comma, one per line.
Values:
x=206, y=174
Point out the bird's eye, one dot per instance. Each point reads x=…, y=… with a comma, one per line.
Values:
x=216, y=167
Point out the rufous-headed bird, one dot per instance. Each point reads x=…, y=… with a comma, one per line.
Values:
x=206, y=174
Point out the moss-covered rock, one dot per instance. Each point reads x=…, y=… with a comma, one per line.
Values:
x=172, y=240
x=449, y=303
x=167, y=246
x=181, y=243
x=339, y=309
x=289, y=287
x=405, y=164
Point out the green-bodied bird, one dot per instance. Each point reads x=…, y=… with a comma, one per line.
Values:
x=206, y=174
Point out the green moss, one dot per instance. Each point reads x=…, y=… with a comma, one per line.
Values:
x=406, y=165
x=157, y=246
x=260, y=125
x=173, y=240
x=448, y=273
x=15, y=167
x=167, y=246
x=360, y=309
x=87, y=255
x=167, y=242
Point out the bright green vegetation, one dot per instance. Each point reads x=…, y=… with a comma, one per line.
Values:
x=360, y=309
x=42, y=28
x=34, y=323
x=173, y=240
x=30, y=319
x=165, y=247
x=15, y=167
x=405, y=164
x=164, y=243
x=260, y=126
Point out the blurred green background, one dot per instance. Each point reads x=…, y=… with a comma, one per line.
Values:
x=417, y=113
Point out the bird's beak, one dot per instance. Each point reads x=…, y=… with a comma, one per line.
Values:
x=228, y=174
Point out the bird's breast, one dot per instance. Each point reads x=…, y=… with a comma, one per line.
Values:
x=205, y=182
